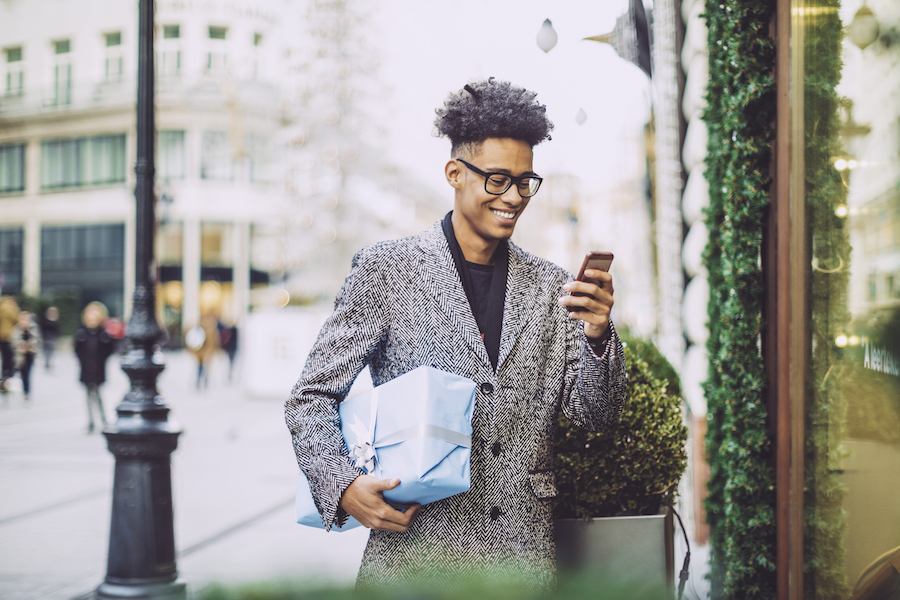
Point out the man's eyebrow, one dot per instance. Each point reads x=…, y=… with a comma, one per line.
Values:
x=508, y=172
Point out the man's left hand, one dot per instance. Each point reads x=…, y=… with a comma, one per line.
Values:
x=597, y=302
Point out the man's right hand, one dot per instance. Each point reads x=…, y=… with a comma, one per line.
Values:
x=364, y=501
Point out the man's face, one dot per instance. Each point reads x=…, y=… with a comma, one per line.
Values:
x=485, y=219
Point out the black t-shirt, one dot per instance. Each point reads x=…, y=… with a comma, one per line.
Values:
x=481, y=283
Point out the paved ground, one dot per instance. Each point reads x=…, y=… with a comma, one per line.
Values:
x=233, y=481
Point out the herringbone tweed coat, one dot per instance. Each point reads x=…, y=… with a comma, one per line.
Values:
x=402, y=306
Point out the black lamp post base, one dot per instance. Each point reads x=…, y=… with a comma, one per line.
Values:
x=174, y=590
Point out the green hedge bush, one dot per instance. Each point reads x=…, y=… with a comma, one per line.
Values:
x=630, y=468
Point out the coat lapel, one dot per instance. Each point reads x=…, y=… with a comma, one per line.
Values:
x=521, y=299
x=442, y=283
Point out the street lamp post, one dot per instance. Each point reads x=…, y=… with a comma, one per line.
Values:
x=141, y=561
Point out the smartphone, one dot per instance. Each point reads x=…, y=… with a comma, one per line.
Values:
x=592, y=260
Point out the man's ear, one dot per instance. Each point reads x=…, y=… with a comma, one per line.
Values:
x=453, y=174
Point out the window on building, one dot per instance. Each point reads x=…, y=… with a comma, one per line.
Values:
x=12, y=168
x=261, y=158
x=14, y=71
x=12, y=241
x=216, y=61
x=170, y=159
x=113, y=62
x=256, y=56
x=89, y=258
x=215, y=157
x=216, y=244
x=169, y=51
x=78, y=162
x=62, y=73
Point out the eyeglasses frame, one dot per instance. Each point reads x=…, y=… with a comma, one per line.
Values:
x=512, y=180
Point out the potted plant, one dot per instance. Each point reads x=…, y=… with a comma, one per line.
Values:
x=610, y=516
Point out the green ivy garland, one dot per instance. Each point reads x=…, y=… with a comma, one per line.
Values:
x=739, y=116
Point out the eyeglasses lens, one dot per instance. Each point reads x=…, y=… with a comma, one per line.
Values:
x=498, y=184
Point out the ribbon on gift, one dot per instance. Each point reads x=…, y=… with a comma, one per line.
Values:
x=364, y=448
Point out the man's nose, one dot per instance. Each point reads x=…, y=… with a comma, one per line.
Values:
x=512, y=196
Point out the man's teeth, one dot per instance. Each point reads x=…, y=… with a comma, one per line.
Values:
x=505, y=215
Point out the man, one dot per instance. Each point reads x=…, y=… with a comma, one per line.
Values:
x=462, y=298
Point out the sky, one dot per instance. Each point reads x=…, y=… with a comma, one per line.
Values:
x=429, y=49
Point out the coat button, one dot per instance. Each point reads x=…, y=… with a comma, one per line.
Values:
x=487, y=387
x=495, y=449
x=495, y=513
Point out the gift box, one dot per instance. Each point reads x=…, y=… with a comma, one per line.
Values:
x=417, y=428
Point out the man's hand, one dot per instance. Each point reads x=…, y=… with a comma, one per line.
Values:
x=597, y=302
x=364, y=501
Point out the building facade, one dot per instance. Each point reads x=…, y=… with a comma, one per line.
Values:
x=227, y=112
x=67, y=146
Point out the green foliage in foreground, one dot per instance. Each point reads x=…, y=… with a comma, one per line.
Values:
x=582, y=588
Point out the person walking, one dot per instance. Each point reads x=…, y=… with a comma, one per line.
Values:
x=462, y=297
x=26, y=343
x=9, y=317
x=49, y=335
x=203, y=342
x=229, y=338
x=93, y=346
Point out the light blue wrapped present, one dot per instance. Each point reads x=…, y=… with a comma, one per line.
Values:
x=417, y=428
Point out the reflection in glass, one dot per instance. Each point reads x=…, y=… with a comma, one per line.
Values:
x=852, y=133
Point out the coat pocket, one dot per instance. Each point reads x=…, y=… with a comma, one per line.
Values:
x=543, y=483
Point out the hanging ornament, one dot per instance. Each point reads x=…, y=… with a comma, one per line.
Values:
x=546, y=37
x=863, y=29
x=581, y=117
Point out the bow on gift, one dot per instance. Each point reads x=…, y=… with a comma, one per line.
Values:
x=363, y=451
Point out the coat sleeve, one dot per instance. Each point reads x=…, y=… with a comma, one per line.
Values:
x=345, y=344
x=595, y=385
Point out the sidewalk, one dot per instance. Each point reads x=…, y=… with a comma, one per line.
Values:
x=232, y=476
x=233, y=486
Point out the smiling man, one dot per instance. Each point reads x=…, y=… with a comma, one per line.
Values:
x=463, y=298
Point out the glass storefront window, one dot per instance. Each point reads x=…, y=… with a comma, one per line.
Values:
x=851, y=119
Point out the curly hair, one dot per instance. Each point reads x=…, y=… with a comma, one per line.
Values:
x=491, y=109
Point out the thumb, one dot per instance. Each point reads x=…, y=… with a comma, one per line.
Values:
x=387, y=484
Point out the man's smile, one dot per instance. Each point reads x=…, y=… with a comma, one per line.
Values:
x=504, y=214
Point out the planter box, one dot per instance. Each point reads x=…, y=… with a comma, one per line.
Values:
x=632, y=550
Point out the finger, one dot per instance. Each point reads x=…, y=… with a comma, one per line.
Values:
x=605, y=279
x=593, y=312
x=390, y=519
x=385, y=484
x=603, y=276
x=589, y=288
x=601, y=303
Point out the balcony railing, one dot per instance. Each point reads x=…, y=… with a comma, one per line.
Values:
x=75, y=96
x=80, y=96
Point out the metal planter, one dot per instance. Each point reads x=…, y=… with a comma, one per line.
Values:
x=636, y=551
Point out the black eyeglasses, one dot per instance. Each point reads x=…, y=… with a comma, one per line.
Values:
x=498, y=183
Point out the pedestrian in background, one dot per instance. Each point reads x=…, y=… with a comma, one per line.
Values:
x=26, y=343
x=9, y=317
x=93, y=345
x=203, y=342
x=229, y=339
x=49, y=334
